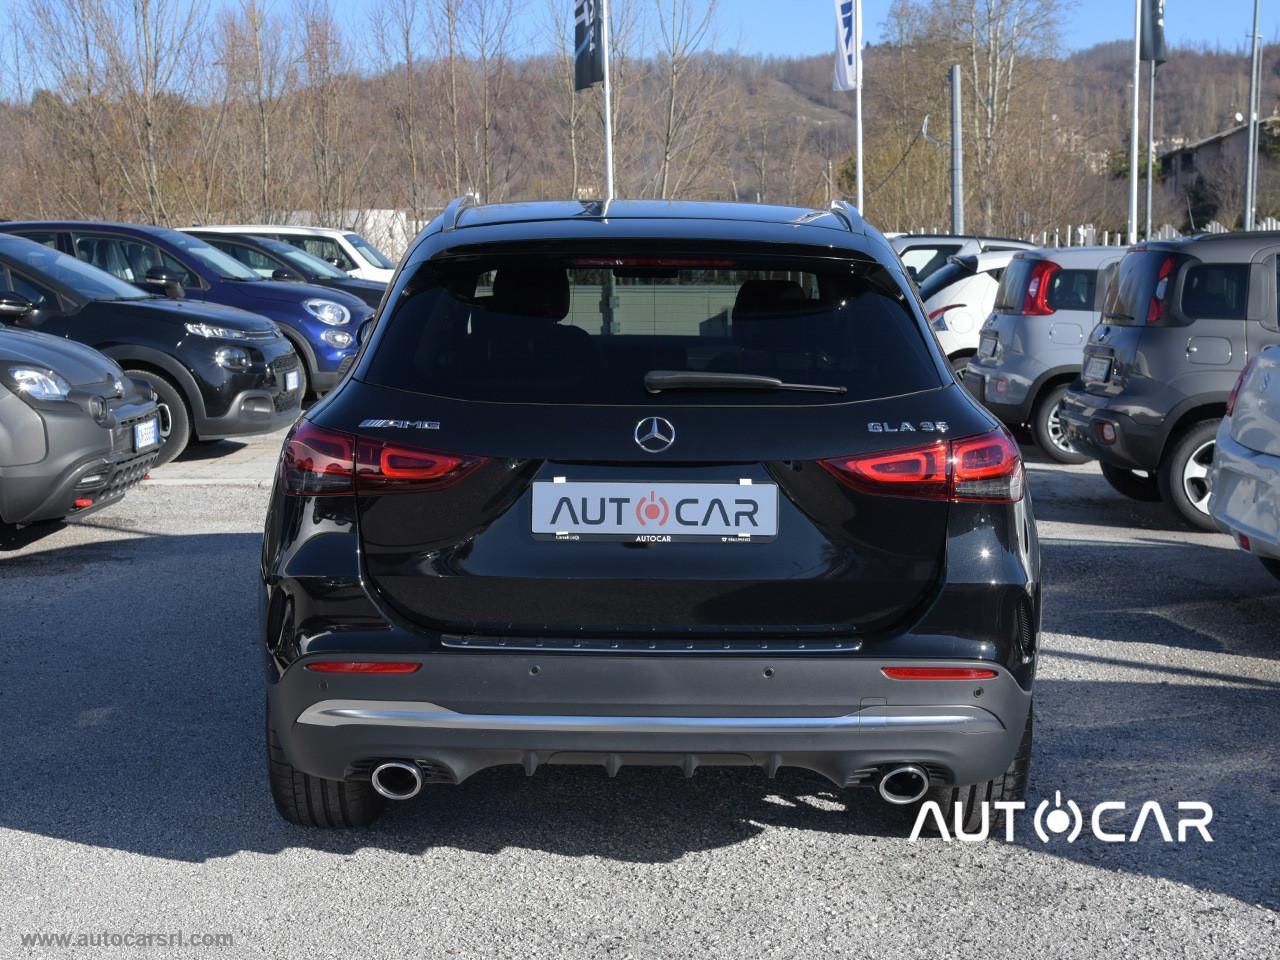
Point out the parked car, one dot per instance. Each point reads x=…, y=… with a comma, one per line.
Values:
x=1031, y=345
x=320, y=323
x=1244, y=487
x=1177, y=327
x=737, y=512
x=957, y=300
x=344, y=249
x=277, y=260
x=922, y=254
x=75, y=432
x=217, y=372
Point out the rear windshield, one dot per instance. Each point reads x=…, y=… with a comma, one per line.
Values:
x=587, y=331
x=1143, y=276
x=1013, y=285
x=923, y=261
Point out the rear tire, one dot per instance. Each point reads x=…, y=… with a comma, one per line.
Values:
x=1011, y=786
x=1131, y=483
x=1184, y=474
x=1047, y=427
x=175, y=421
x=959, y=363
x=314, y=801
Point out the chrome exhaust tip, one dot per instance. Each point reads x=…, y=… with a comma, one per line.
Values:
x=905, y=784
x=397, y=779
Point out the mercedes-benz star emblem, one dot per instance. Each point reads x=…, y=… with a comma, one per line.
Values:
x=655, y=434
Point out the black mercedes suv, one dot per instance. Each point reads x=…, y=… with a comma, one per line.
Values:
x=216, y=371
x=677, y=484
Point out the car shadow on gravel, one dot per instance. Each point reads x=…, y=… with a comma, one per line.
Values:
x=131, y=702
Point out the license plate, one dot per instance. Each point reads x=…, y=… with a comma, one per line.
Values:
x=1098, y=368
x=291, y=381
x=741, y=512
x=987, y=347
x=146, y=434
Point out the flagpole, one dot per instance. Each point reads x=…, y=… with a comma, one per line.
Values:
x=1134, y=129
x=1151, y=139
x=857, y=101
x=608, y=102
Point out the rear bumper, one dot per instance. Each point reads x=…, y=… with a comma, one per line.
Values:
x=1136, y=446
x=461, y=713
x=1246, y=497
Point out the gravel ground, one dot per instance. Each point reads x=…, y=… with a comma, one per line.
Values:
x=135, y=797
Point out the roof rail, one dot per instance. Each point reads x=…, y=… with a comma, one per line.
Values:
x=455, y=210
x=847, y=212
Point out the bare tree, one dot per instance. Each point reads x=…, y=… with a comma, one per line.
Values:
x=688, y=96
x=486, y=27
x=398, y=31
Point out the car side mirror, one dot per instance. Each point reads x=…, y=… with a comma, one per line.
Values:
x=14, y=306
x=166, y=280
x=363, y=331
x=335, y=262
x=283, y=274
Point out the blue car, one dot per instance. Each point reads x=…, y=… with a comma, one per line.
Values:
x=321, y=323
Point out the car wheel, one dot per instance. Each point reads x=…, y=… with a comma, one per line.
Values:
x=1134, y=484
x=1047, y=426
x=175, y=421
x=1184, y=474
x=314, y=801
x=1010, y=785
x=1272, y=565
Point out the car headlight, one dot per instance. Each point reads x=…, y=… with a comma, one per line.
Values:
x=215, y=332
x=326, y=311
x=39, y=384
x=231, y=358
x=337, y=338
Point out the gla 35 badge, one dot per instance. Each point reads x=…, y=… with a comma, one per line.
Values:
x=906, y=426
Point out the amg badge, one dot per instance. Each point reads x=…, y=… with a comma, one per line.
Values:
x=403, y=424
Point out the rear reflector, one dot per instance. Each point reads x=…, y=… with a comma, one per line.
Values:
x=319, y=462
x=937, y=673
x=363, y=666
x=986, y=468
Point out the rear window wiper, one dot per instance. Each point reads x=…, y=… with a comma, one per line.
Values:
x=656, y=381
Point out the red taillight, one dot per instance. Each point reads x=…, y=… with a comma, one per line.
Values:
x=1155, y=309
x=941, y=310
x=985, y=468
x=319, y=462
x=1235, y=391
x=390, y=467
x=1035, y=302
x=363, y=666
x=937, y=673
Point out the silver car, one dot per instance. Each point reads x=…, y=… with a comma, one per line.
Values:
x=1030, y=348
x=1244, y=480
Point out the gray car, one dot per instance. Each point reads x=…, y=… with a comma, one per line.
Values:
x=75, y=432
x=925, y=253
x=1030, y=348
x=1180, y=321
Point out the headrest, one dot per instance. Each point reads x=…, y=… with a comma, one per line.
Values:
x=532, y=292
x=767, y=298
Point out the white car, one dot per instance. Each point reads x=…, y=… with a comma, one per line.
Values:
x=1244, y=481
x=958, y=299
x=345, y=249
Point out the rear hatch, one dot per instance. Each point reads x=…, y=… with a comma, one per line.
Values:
x=1040, y=288
x=613, y=474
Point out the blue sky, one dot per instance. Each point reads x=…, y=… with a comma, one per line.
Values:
x=791, y=27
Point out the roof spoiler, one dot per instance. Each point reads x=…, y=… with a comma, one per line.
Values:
x=847, y=212
x=453, y=212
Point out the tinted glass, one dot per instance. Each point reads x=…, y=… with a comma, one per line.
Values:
x=368, y=251
x=939, y=280
x=48, y=238
x=308, y=264
x=1143, y=276
x=1072, y=289
x=1218, y=291
x=221, y=264
x=543, y=331
x=83, y=279
x=1013, y=286
x=39, y=296
x=324, y=248
x=924, y=260
x=255, y=260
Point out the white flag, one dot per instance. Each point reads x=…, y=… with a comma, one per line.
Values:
x=848, y=45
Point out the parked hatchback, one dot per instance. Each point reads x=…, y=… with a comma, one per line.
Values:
x=76, y=433
x=685, y=485
x=217, y=372
x=344, y=249
x=957, y=300
x=923, y=254
x=1031, y=345
x=321, y=324
x=1179, y=323
x=277, y=260
x=1244, y=498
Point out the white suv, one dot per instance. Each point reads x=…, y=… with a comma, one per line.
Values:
x=345, y=249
